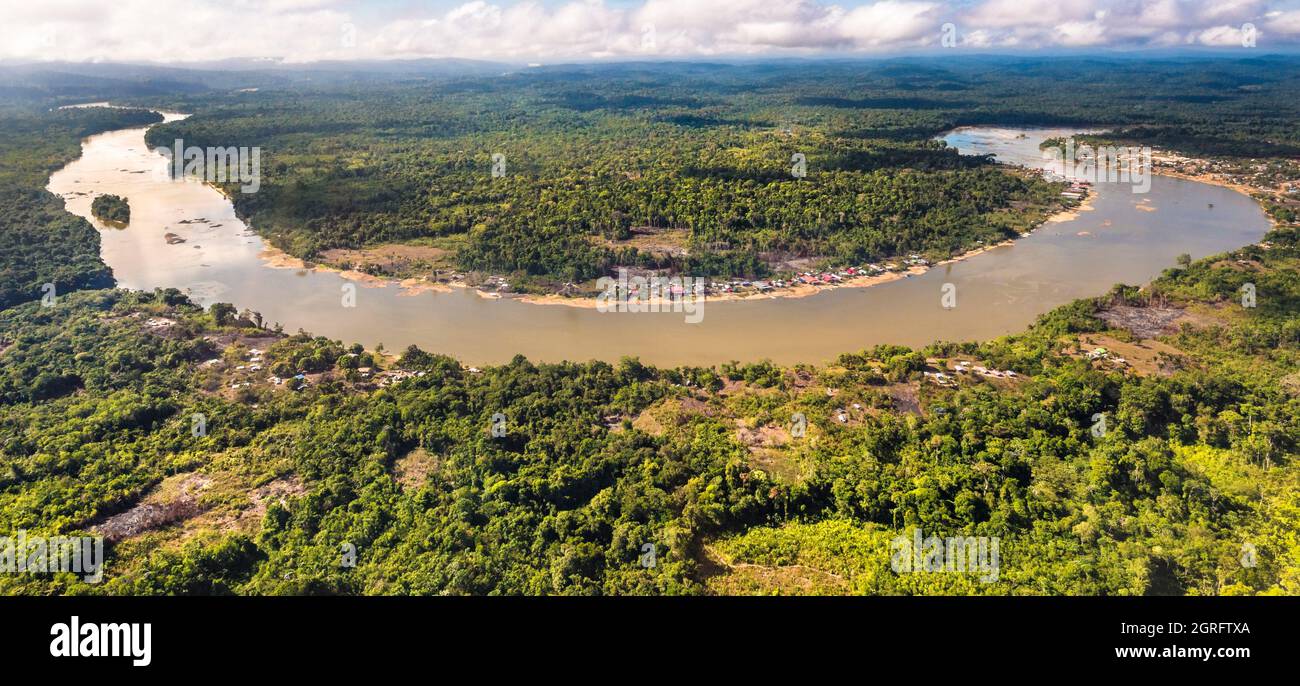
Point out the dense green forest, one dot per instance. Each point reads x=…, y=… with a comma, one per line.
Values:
x=700, y=157
x=128, y=414
x=595, y=461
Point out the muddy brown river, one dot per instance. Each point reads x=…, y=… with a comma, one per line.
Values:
x=1126, y=237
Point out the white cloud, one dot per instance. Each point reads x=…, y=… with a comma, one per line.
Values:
x=1284, y=23
x=1230, y=11
x=1013, y=14
x=1219, y=36
x=1073, y=34
x=526, y=30
x=889, y=23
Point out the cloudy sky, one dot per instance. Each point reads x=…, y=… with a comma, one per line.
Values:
x=550, y=30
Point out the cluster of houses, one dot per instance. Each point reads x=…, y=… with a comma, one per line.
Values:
x=300, y=379
x=967, y=367
x=827, y=278
x=255, y=363
x=1190, y=165
x=493, y=283
x=1268, y=175
x=809, y=278
x=156, y=323
x=382, y=378
x=1104, y=354
x=394, y=376
x=1078, y=190
x=842, y=415
x=941, y=378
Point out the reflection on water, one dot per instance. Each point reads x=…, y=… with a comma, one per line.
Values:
x=1126, y=238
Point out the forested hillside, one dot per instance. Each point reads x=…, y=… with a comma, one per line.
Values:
x=131, y=416
x=595, y=461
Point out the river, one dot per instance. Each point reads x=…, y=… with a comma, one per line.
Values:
x=1126, y=237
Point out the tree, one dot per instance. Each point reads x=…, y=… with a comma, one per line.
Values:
x=224, y=314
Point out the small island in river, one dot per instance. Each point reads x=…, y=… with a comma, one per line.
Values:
x=111, y=209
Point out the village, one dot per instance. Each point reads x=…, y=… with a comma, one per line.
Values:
x=815, y=278
x=244, y=365
x=497, y=285
x=253, y=371
x=1076, y=190
x=954, y=370
x=1275, y=177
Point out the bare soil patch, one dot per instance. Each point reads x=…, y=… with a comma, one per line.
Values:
x=647, y=423
x=666, y=242
x=389, y=259
x=762, y=436
x=1291, y=384
x=906, y=397
x=782, y=261
x=1143, y=322
x=1145, y=357
x=175, y=499
x=725, y=577
x=279, y=491
x=238, y=507
x=412, y=470
x=656, y=419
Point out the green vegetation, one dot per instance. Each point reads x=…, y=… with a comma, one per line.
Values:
x=41, y=243
x=111, y=208
x=700, y=157
x=598, y=460
x=562, y=478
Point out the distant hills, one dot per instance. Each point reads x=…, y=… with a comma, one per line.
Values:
x=43, y=80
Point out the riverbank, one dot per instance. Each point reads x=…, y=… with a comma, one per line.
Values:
x=278, y=259
x=800, y=285
x=1214, y=179
x=411, y=286
x=804, y=290
x=482, y=322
